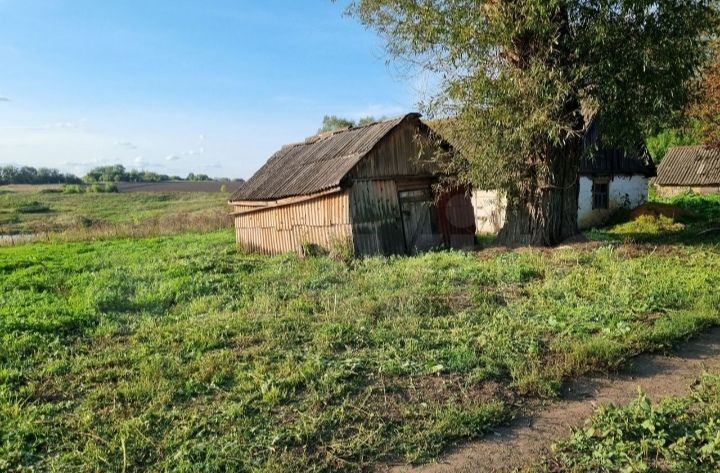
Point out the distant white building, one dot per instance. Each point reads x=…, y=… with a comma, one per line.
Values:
x=610, y=180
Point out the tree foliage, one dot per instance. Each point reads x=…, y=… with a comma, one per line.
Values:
x=707, y=108
x=659, y=144
x=118, y=173
x=333, y=122
x=31, y=175
x=523, y=80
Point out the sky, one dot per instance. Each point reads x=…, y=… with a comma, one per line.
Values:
x=179, y=86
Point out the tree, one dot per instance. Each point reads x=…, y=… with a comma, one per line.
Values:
x=30, y=175
x=333, y=122
x=659, y=144
x=524, y=80
x=707, y=109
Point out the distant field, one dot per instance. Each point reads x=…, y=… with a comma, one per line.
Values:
x=31, y=188
x=184, y=186
x=29, y=210
x=170, y=186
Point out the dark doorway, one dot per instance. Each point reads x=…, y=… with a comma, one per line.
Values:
x=416, y=207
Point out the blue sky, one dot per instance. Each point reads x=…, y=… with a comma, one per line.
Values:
x=176, y=86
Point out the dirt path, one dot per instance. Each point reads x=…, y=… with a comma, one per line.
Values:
x=529, y=437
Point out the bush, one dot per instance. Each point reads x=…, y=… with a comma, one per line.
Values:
x=73, y=189
x=33, y=207
x=102, y=188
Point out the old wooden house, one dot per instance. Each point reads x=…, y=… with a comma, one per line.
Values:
x=371, y=188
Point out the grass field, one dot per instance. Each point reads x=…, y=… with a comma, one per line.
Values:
x=182, y=353
x=80, y=216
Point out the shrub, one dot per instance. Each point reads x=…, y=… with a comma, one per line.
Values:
x=33, y=207
x=73, y=189
x=341, y=249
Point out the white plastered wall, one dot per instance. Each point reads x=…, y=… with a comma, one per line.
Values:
x=624, y=191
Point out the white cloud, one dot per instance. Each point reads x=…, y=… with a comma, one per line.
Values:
x=126, y=145
x=66, y=125
x=5, y=99
x=195, y=152
x=172, y=157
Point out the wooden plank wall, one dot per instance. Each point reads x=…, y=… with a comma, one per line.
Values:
x=396, y=156
x=324, y=221
x=377, y=222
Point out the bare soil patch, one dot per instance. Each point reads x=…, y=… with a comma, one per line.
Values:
x=532, y=433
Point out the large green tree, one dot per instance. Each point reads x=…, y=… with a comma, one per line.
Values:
x=523, y=80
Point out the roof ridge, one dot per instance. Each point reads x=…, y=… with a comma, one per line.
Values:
x=331, y=133
x=315, y=164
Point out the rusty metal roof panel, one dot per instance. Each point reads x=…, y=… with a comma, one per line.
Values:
x=318, y=164
x=690, y=166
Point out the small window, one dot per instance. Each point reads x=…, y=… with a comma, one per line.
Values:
x=600, y=192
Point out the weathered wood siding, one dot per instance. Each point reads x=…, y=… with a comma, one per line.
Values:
x=367, y=214
x=397, y=155
x=324, y=221
x=376, y=219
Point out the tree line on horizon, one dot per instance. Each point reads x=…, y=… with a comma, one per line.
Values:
x=114, y=173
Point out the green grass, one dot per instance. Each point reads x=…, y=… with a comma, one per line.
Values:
x=701, y=225
x=676, y=435
x=41, y=212
x=184, y=354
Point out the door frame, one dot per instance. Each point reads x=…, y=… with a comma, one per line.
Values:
x=428, y=197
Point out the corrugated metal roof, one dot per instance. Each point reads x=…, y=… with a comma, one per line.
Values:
x=318, y=164
x=690, y=166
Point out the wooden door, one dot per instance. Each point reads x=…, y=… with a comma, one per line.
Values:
x=416, y=207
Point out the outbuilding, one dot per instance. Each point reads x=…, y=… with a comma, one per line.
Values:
x=372, y=189
x=689, y=168
x=609, y=180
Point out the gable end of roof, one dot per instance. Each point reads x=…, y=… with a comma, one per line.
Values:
x=317, y=164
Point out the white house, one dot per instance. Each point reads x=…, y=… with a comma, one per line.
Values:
x=610, y=180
